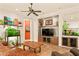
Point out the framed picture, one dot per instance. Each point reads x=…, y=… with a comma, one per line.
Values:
x=49, y=22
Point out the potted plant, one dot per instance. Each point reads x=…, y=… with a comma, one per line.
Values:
x=75, y=33
x=65, y=27
x=12, y=32
x=1, y=39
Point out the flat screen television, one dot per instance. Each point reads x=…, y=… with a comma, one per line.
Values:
x=47, y=32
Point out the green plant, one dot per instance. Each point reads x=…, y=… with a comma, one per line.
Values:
x=12, y=32
x=12, y=43
x=1, y=21
x=75, y=33
x=65, y=25
x=1, y=38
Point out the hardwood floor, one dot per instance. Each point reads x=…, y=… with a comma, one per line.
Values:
x=47, y=49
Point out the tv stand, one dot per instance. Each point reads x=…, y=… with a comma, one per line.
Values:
x=53, y=40
x=47, y=39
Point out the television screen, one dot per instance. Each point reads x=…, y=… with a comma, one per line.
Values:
x=47, y=32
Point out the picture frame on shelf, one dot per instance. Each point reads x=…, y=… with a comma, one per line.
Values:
x=49, y=22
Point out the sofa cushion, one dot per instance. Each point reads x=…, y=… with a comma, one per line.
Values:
x=55, y=53
x=75, y=51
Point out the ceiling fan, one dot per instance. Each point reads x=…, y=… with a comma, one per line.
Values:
x=32, y=11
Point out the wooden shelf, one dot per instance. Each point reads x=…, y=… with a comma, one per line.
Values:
x=54, y=27
x=10, y=25
x=74, y=28
x=13, y=36
x=70, y=36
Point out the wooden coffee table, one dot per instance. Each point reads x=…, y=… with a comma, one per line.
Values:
x=33, y=45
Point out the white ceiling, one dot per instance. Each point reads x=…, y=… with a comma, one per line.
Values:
x=44, y=7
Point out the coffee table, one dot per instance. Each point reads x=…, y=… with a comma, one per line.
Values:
x=33, y=45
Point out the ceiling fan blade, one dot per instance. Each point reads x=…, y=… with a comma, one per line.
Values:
x=35, y=13
x=29, y=13
x=24, y=11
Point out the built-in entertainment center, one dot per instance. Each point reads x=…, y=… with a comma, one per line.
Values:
x=48, y=29
x=49, y=35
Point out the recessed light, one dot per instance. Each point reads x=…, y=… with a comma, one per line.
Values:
x=16, y=9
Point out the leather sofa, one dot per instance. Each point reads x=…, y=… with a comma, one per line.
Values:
x=73, y=51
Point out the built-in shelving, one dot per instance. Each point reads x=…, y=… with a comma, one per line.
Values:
x=49, y=23
x=71, y=40
x=6, y=24
x=70, y=36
